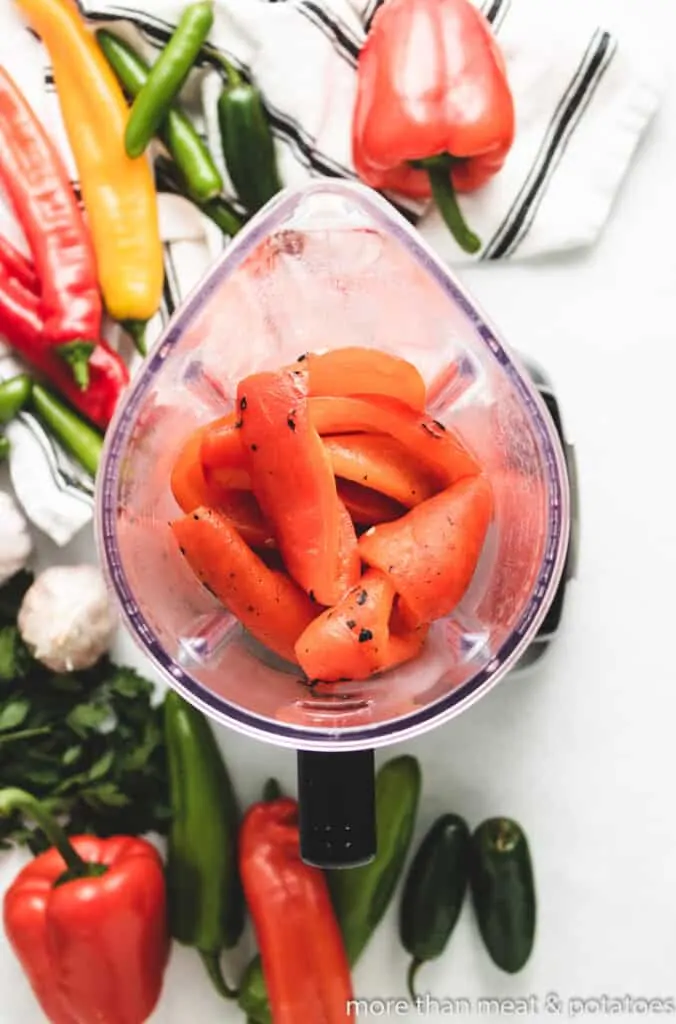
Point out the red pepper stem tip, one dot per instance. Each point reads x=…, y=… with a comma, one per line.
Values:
x=12, y=799
x=76, y=353
x=438, y=170
x=212, y=963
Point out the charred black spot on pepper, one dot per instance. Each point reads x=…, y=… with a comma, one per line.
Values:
x=301, y=358
x=350, y=623
x=254, y=447
x=291, y=423
x=242, y=403
x=210, y=589
x=438, y=424
x=238, y=424
x=363, y=597
x=311, y=595
x=182, y=550
x=250, y=608
x=430, y=430
x=364, y=635
x=195, y=516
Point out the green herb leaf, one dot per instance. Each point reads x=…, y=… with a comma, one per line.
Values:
x=129, y=683
x=13, y=714
x=107, y=793
x=15, y=658
x=102, y=766
x=85, y=717
x=71, y=755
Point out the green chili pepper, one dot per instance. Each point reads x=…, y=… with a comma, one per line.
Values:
x=253, y=996
x=434, y=892
x=362, y=895
x=206, y=903
x=218, y=210
x=191, y=154
x=81, y=440
x=248, y=146
x=14, y=393
x=503, y=892
x=167, y=76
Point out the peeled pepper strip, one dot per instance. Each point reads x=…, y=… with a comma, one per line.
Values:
x=431, y=553
x=191, y=491
x=437, y=448
x=353, y=640
x=118, y=193
x=364, y=371
x=267, y=603
x=292, y=479
x=383, y=464
x=367, y=507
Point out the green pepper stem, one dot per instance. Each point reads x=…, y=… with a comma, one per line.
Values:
x=411, y=976
x=271, y=791
x=76, y=353
x=234, y=77
x=18, y=800
x=438, y=170
x=4, y=447
x=212, y=963
x=136, y=329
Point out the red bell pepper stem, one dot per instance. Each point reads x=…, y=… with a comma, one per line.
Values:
x=18, y=266
x=439, y=172
x=18, y=800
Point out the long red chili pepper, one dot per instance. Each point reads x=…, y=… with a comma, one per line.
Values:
x=22, y=325
x=36, y=182
x=306, y=970
x=19, y=266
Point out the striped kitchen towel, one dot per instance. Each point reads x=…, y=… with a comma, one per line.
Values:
x=582, y=100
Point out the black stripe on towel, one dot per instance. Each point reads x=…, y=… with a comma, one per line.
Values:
x=567, y=115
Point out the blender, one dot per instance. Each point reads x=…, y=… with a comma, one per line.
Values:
x=328, y=266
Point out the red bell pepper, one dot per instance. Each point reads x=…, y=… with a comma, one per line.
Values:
x=434, y=111
x=36, y=182
x=431, y=553
x=306, y=970
x=22, y=325
x=355, y=639
x=292, y=479
x=267, y=602
x=87, y=921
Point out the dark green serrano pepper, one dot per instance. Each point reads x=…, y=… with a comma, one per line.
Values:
x=167, y=76
x=191, y=155
x=248, y=146
x=206, y=904
x=434, y=892
x=362, y=895
x=503, y=892
x=79, y=438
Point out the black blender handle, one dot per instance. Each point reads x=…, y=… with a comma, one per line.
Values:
x=336, y=797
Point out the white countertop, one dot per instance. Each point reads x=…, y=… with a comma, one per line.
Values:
x=582, y=752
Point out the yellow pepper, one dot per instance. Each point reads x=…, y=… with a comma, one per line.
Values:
x=118, y=192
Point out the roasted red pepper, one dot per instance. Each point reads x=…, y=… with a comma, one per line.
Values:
x=355, y=639
x=87, y=921
x=36, y=182
x=293, y=480
x=431, y=553
x=22, y=326
x=267, y=602
x=434, y=111
x=307, y=974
